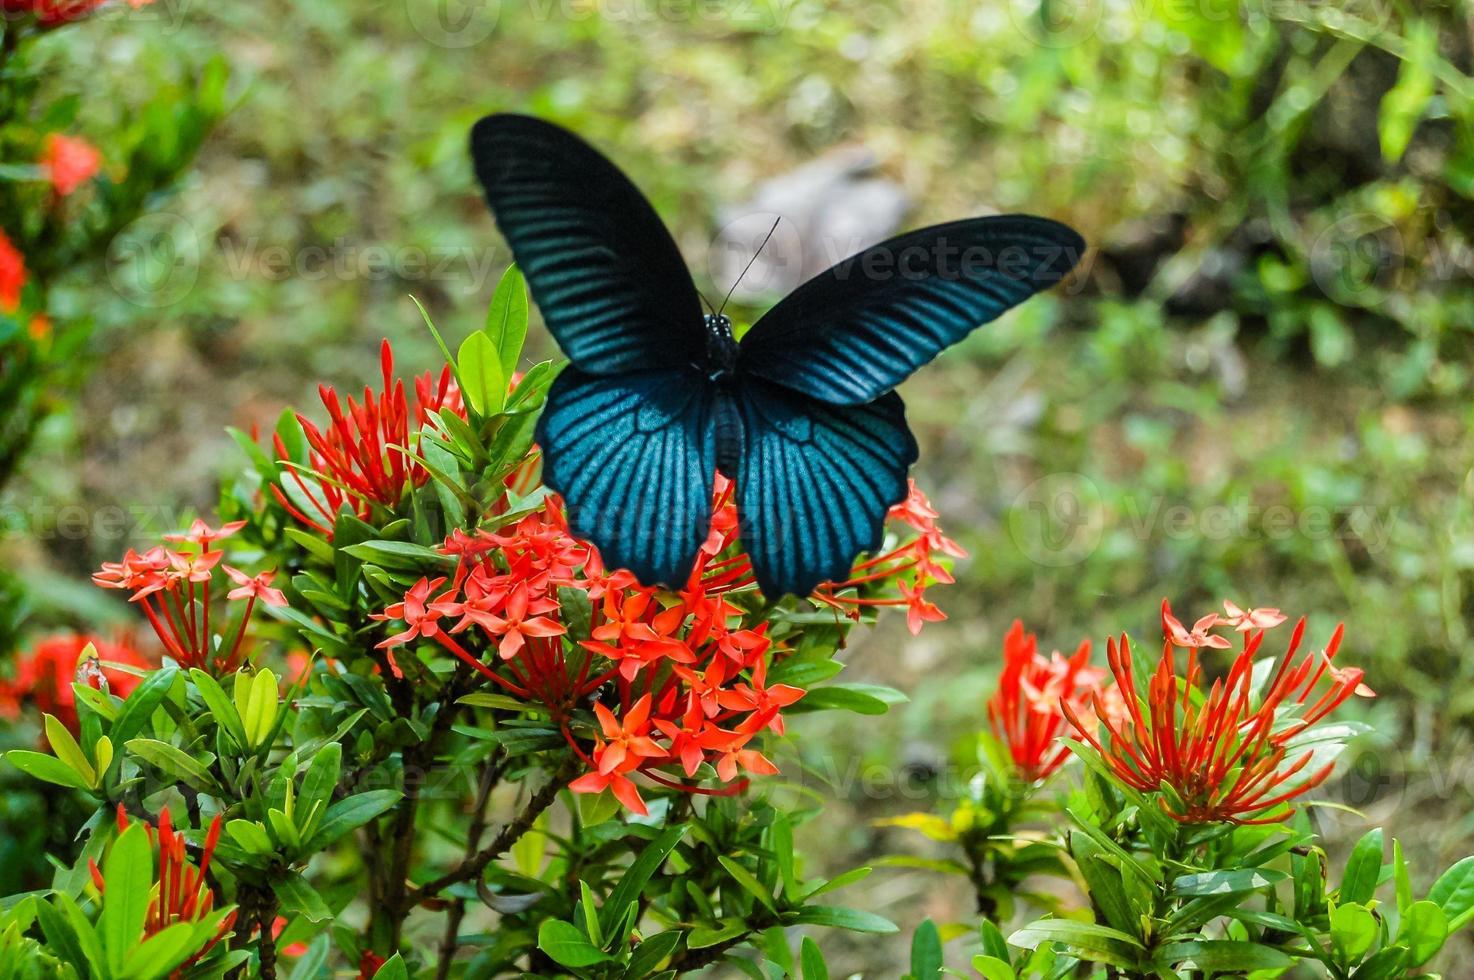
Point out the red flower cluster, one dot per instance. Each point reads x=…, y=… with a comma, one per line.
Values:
x=679, y=679
x=45, y=675
x=174, y=590
x=12, y=274
x=179, y=893
x=363, y=457
x=1026, y=712
x=53, y=13
x=69, y=162
x=1224, y=755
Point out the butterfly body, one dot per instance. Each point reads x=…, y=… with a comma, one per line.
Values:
x=800, y=413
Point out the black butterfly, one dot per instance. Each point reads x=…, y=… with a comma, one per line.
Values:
x=800, y=413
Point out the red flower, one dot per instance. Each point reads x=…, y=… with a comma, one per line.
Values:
x=12, y=275
x=70, y=162
x=52, y=13
x=253, y=587
x=179, y=893
x=1244, y=620
x=1223, y=755
x=676, y=680
x=516, y=625
x=174, y=588
x=1198, y=636
x=1027, y=710
x=361, y=460
x=44, y=676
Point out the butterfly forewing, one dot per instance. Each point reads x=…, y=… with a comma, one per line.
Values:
x=602, y=268
x=855, y=331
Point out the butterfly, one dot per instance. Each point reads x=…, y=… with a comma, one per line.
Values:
x=658, y=397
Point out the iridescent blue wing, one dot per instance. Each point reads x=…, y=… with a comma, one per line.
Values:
x=854, y=332
x=633, y=457
x=815, y=481
x=601, y=266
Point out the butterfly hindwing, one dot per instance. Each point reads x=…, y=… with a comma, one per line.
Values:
x=604, y=271
x=634, y=458
x=854, y=332
x=815, y=482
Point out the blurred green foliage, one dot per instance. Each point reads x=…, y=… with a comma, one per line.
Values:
x=1258, y=390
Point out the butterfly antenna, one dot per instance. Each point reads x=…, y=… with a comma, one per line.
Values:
x=749, y=264
x=707, y=302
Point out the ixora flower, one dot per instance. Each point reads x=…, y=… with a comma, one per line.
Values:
x=12, y=274
x=69, y=162
x=1232, y=753
x=44, y=675
x=679, y=680
x=365, y=457
x=174, y=588
x=53, y=13
x=179, y=893
x=1027, y=711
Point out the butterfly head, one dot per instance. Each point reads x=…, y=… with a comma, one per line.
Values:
x=721, y=346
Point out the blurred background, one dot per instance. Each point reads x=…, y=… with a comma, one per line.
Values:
x=1257, y=386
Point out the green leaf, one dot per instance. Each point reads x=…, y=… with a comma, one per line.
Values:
x=837, y=917
x=926, y=952
x=566, y=945
x=222, y=709
x=652, y=951
x=640, y=871
x=1424, y=929
x=861, y=699
x=250, y=836
x=300, y=898
x=139, y=706
x=838, y=881
x=401, y=555
x=393, y=969
x=528, y=851
x=1084, y=940
x=1454, y=891
x=1353, y=930
x=992, y=968
x=744, y=878
x=1233, y=882
x=993, y=942
x=703, y=937
x=439, y=341
x=506, y=320
x=811, y=960
x=174, y=762
x=128, y=874
x=350, y=814
x=781, y=834
x=1222, y=955
x=312, y=544
x=161, y=953
x=1404, y=104
x=317, y=787
x=481, y=374
x=68, y=751
x=1363, y=868
x=47, y=768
